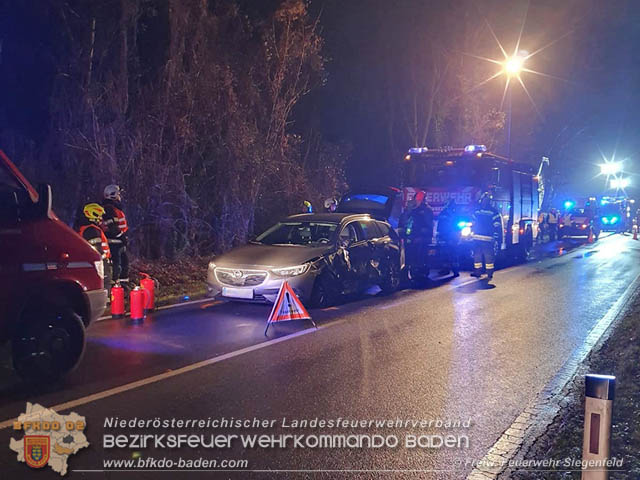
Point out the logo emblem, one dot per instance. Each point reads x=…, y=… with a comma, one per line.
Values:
x=36, y=450
x=237, y=273
x=49, y=438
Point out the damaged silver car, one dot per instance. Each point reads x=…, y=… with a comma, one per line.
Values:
x=322, y=256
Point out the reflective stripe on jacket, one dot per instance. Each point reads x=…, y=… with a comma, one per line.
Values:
x=486, y=224
x=96, y=238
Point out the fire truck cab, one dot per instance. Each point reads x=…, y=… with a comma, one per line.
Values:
x=51, y=281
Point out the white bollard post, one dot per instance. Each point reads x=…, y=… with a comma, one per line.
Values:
x=596, y=444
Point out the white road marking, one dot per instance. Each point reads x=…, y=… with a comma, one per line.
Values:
x=508, y=445
x=188, y=368
x=163, y=376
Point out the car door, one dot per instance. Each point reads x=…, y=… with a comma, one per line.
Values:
x=356, y=255
x=372, y=250
x=390, y=248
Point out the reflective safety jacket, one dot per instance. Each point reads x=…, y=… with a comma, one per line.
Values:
x=114, y=222
x=486, y=224
x=448, y=231
x=420, y=223
x=96, y=238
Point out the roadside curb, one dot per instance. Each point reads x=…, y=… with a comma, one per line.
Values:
x=516, y=441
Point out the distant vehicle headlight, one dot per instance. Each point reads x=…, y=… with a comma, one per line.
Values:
x=99, y=265
x=291, y=271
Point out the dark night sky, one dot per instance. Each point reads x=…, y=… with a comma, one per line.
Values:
x=591, y=107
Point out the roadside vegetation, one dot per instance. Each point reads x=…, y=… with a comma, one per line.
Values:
x=618, y=356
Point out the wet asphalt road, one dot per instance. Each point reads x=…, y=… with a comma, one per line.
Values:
x=454, y=350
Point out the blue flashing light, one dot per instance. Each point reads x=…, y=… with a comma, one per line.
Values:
x=463, y=224
x=605, y=220
x=418, y=150
x=614, y=219
x=475, y=148
x=603, y=201
x=381, y=199
x=568, y=204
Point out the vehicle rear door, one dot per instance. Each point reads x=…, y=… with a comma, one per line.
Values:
x=357, y=254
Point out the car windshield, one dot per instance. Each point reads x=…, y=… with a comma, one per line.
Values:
x=299, y=233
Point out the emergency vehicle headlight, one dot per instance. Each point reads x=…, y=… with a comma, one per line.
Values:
x=99, y=265
x=605, y=220
x=614, y=219
x=291, y=271
x=475, y=148
x=466, y=232
x=418, y=150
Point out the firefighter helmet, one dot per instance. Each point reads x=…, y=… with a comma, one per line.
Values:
x=112, y=192
x=486, y=199
x=93, y=212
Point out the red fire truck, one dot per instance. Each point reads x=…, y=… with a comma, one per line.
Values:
x=464, y=174
x=51, y=280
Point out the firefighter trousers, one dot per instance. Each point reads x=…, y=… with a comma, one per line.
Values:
x=483, y=251
x=120, y=265
x=450, y=256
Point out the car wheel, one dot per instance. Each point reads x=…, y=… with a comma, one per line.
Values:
x=392, y=278
x=48, y=343
x=322, y=295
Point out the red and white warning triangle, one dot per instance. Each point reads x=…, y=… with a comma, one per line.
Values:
x=287, y=307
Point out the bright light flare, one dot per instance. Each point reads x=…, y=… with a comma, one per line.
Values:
x=620, y=183
x=513, y=65
x=610, y=168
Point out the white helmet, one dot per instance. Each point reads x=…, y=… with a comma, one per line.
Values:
x=112, y=192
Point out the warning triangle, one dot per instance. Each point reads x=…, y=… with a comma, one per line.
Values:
x=287, y=306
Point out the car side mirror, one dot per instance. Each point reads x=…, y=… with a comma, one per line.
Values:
x=43, y=205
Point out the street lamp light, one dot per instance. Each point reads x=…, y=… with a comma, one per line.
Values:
x=512, y=66
x=620, y=183
x=610, y=168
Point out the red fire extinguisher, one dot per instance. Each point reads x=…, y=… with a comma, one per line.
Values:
x=148, y=284
x=117, y=301
x=137, y=301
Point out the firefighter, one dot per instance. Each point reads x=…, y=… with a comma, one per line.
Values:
x=307, y=207
x=115, y=227
x=542, y=226
x=418, y=232
x=88, y=226
x=403, y=221
x=486, y=231
x=449, y=237
x=552, y=224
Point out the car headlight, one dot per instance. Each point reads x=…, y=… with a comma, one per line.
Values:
x=99, y=265
x=291, y=271
x=212, y=266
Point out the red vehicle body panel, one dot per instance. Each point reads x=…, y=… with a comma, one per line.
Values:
x=41, y=254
